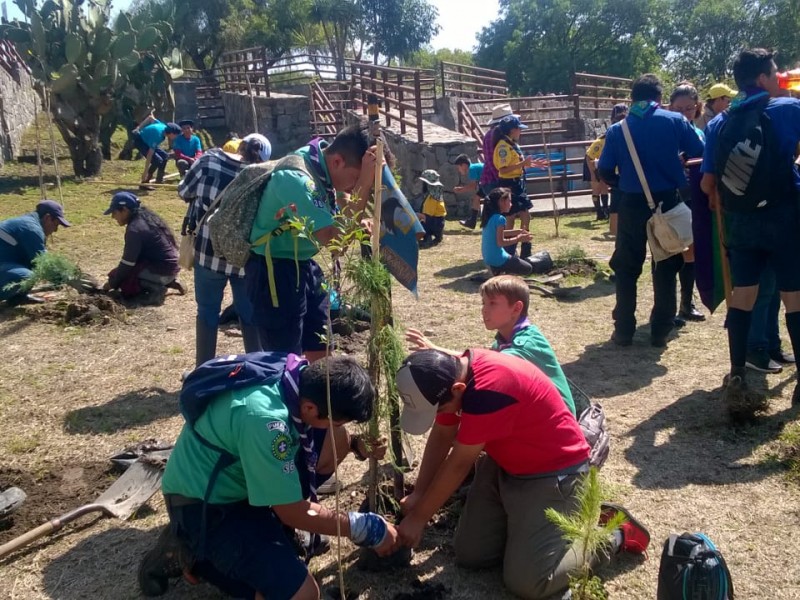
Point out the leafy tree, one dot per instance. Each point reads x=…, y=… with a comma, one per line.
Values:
x=426, y=58
x=337, y=18
x=540, y=43
x=396, y=28
x=197, y=25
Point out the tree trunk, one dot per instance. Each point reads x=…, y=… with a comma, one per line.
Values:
x=84, y=147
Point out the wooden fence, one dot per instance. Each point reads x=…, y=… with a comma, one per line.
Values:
x=406, y=96
x=329, y=100
x=245, y=71
x=598, y=93
x=466, y=81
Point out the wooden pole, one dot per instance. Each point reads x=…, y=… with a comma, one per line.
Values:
x=556, y=216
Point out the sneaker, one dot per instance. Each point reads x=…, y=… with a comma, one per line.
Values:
x=635, y=537
x=167, y=560
x=780, y=356
x=468, y=223
x=759, y=360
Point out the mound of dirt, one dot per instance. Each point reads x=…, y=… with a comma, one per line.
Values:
x=80, y=310
x=51, y=494
x=584, y=267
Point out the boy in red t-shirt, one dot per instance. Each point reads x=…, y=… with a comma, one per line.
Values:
x=486, y=401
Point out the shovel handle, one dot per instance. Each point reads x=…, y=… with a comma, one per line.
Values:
x=30, y=536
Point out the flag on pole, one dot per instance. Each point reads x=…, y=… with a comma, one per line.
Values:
x=399, y=229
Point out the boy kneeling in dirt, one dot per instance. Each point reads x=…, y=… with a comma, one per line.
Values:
x=506, y=299
x=536, y=454
x=240, y=538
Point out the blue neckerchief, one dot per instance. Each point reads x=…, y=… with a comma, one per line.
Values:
x=503, y=343
x=315, y=148
x=747, y=97
x=643, y=108
x=514, y=145
x=290, y=382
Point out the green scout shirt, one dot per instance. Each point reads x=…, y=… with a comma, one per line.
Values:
x=530, y=344
x=251, y=423
x=292, y=187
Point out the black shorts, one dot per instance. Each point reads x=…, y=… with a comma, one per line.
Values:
x=519, y=194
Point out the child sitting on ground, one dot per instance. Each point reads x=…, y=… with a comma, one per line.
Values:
x=496, y=237
x=506, y=299
x=433, y=209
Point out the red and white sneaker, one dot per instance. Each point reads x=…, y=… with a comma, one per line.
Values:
x=635, y=537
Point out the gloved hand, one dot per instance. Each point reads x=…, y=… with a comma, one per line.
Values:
x=367, y=529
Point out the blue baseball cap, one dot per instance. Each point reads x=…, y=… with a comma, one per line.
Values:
x=54, y=209
x=510, y=123
x=123, y=200
x=172, y=128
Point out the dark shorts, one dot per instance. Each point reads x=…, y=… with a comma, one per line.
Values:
x=247, y=549
x=519, y=194
x=479, y=191
x=300, y=318
x=768, y=236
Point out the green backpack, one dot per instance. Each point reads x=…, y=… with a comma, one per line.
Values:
x=230, y=217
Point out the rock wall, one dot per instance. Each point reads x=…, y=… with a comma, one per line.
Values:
x=17, y=110
x=283, y=118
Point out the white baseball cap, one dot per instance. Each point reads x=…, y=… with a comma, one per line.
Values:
x=423, y=381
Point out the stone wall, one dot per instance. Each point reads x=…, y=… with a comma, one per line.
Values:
x=438, y=152
x=17, y=110
x=283, y=118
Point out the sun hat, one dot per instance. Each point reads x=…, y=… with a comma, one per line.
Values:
x=123, y=200
x=718, y=90
x=261, y=144
x=430, y=177
x=54, y=209
x=508, y=124
x=423, y=381
x=500, y=111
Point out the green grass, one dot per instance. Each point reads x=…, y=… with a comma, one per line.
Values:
x=19, y=444
x=788, y=452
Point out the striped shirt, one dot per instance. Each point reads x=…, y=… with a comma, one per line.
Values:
x=208, y=176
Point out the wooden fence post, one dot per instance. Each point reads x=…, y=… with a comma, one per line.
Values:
x=266, y=71
x=400, y=100
x=418, y=104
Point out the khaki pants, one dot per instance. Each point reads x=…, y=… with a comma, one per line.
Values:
x=503, y=523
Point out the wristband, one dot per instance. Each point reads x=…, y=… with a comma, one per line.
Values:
x=367, y=529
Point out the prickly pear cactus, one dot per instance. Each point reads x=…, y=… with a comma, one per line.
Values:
x=85, y=70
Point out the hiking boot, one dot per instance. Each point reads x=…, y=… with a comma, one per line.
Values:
x=167, y=560
x=689, y=312
x=759, y=360
x=780, y=356
x=742, y=403
x=635, y=537
x=526, y=250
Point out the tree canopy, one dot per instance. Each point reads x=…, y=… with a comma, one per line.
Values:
x=539, y=43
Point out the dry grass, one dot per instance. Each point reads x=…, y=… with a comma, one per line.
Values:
x=75, y=395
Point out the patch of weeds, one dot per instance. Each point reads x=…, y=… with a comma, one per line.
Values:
x=570, y=256
x=174, y=350
x=22, y=444
x=788, y=450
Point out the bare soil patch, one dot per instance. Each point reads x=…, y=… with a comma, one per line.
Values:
x=76, y=309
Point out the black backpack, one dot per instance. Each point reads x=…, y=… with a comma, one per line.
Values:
x=750, y=172
x=693, y=569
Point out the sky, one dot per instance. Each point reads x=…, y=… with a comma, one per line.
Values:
x=460, y=20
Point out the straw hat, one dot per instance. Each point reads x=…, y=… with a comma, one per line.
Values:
x=500, y=111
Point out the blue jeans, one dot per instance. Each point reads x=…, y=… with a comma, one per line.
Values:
x=209, y=289
x=763, y=333
x=11, y=273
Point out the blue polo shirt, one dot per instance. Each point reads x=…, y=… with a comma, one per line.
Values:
x=660, y=136
x=188, y=147
x=785, y=114
x=153, y=134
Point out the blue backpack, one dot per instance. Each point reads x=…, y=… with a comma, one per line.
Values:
x=693, y=569
x=227, y=373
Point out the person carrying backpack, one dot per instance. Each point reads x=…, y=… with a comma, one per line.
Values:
x=748, y=166
x=244, y=471
x=283, y=282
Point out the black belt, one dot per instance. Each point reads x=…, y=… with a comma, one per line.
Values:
x=178, y=501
